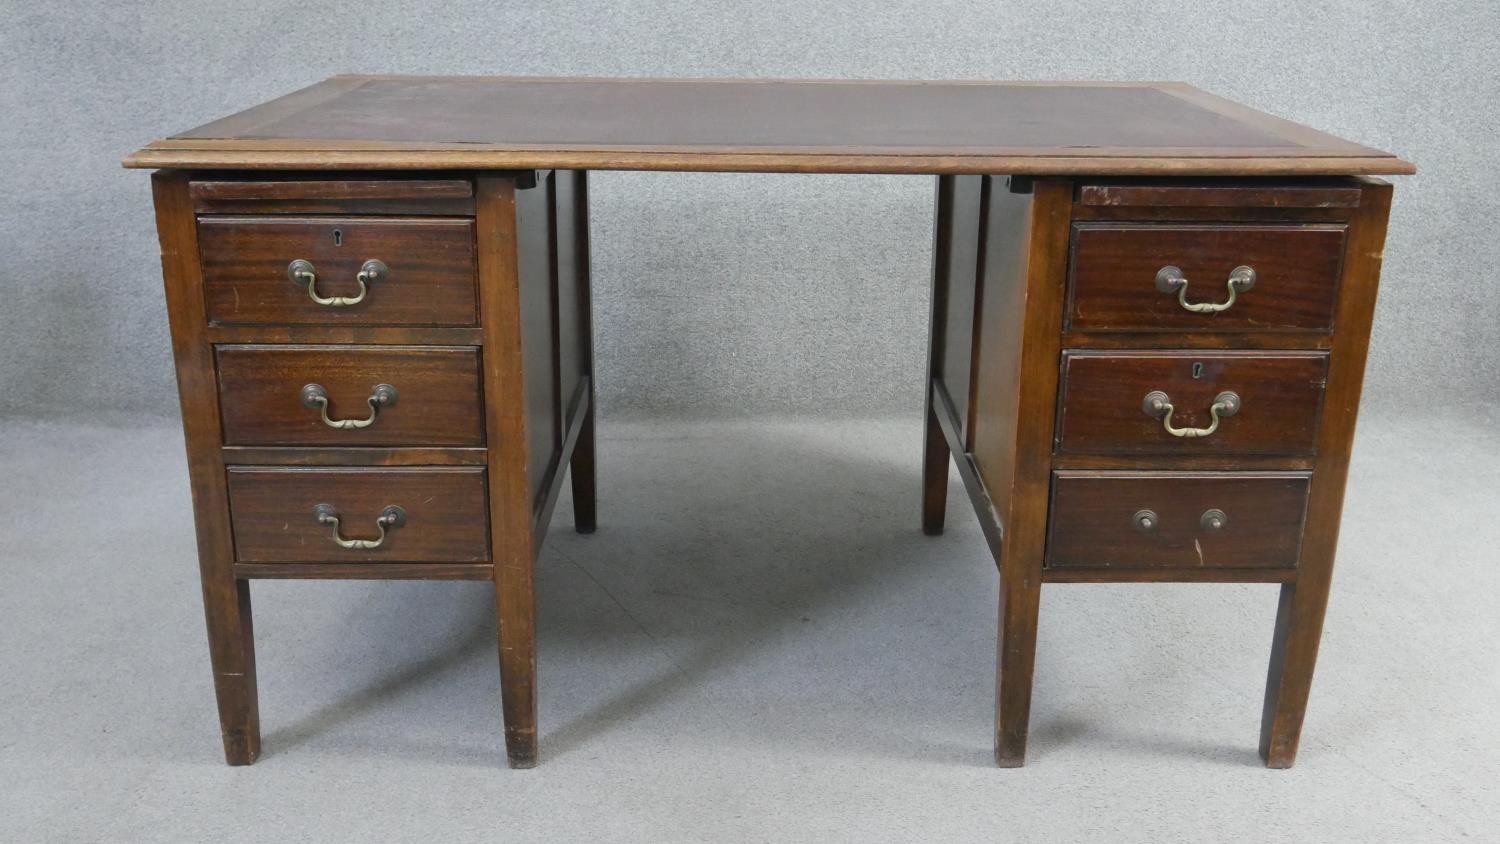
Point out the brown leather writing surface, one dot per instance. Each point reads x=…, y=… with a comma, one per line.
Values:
x=796, y=126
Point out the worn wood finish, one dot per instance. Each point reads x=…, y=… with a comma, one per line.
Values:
x=1061, y=128
x=249, y=455
x=252, y=156
x=430, y=261
x=1024, y=258
x=226, y=598
x=365, y=571
x=1112, y=281
x=1281, y=396
x=1167, y=575
x=1208, y=214
x=348, y=335
x=1092, y=522
x=1155, y=195
x=347, y=195
x=513, y=544
x=1025, y=521
x=1269, y=473
x=273, y=518
x=1185, y=462
x=491, y=204
x=347, y=188
x=439, y=400
x=1299, y=618
x=1272, y=341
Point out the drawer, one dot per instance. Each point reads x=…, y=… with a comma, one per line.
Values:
x=286, y=514
x=1121, y=277
x=428, y=275
x=1176, y=520
x=1269, y=402
x=351, y=395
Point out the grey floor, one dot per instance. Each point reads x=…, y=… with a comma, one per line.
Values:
x=757, y=645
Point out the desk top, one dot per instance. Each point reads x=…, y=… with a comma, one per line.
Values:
x=1021, y=128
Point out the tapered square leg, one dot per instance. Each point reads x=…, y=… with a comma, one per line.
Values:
x=515, y=615
x=1304, y=602
x=231, y=640
x=1294, y=653
x=1020, y=599
x=512, y=222
x=226, y=599
x=1019, y=349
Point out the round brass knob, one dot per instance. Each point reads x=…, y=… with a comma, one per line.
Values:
x=1145, y=521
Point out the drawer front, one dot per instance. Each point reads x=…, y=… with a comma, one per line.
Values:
x=278, y=515
x=1176, y=520
x=429, y=275
x=1276, y=400
x=1113, y=277
x=379, y=395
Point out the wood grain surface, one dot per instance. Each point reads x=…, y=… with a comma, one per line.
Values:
x=438, y=396
x=431, y=279
x=1112, y=276
x=1091, y=519
x=272, y=512
x=1281, y=395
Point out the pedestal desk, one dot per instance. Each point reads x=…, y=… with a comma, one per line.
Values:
x=1150, y=312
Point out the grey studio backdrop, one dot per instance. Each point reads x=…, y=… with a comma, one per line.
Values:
x=724, y=294
x=758, y=644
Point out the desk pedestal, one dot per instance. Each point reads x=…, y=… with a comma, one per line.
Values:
x=1152, y=381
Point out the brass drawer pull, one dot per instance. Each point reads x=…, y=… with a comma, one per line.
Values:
x=1145, y=521
x=390, y=517
x=1159, y=406
x=302, y=272
x=1213, y=521
x=384, y=395
x=1170, y=279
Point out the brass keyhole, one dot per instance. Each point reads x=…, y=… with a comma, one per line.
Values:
x=338, y=237
x=1198, y=370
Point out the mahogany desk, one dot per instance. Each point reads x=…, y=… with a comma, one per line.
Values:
x=1150, y=313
